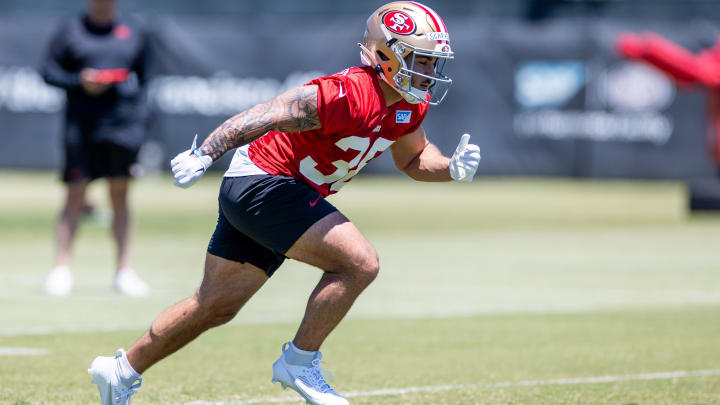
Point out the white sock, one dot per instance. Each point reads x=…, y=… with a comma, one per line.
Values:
x=127, y=374
x=299, y=357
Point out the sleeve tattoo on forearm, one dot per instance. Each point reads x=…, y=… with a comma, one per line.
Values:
x=292, y=111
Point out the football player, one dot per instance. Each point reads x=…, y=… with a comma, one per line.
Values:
x=292, y=152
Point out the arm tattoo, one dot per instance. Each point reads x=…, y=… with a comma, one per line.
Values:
x=293, y=111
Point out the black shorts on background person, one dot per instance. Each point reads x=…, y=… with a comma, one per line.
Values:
x=100, y=59
x=88, y=160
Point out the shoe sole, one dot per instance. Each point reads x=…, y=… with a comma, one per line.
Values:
x=282, y=384
x=285, y=385
x=129, y=293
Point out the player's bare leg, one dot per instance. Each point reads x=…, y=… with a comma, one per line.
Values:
x=350, y=264
x=126, y=280
x=226, y=287
x=60, y=280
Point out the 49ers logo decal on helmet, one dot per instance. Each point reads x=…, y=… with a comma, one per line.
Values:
x=399, y=22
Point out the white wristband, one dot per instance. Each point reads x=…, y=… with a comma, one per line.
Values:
x=204, y=159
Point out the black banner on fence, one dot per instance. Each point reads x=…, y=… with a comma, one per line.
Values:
x=540, y=99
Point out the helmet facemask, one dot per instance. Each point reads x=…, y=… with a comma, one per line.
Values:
x=439, y=83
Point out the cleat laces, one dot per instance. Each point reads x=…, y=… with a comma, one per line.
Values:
x=316, y=375
x=122, y=396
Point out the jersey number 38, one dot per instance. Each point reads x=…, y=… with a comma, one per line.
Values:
x=344, y=170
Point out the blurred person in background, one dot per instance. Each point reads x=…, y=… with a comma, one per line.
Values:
x=293, y=151
x=100, y=59
x=686, y=68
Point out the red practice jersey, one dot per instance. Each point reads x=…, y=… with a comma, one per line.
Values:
x=356, y=128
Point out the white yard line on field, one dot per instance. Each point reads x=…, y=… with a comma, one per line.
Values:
x=435, y=388
x=22, y=351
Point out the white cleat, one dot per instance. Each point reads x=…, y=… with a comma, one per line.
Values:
x=112, y=391
x=129, y=283
x=59, y=281
x=307, y=381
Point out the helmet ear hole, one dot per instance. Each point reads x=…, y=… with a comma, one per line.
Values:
x=382, y=56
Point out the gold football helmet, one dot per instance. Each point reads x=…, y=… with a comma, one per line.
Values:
x=398, y=30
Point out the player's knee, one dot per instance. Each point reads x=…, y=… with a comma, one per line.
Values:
x=217, y=310
x=73, y=205
x=368, y=268
x=120, y=206
x=223, y=316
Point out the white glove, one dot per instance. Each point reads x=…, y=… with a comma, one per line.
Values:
x=189, y=166
x=465, y=160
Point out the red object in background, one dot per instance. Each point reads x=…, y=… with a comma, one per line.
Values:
x=122, y=31
x=111, y=75
x=682, y=65
x=630, y=45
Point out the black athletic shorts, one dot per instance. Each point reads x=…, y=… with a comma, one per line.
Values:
x=87, y=160
x=261, y=217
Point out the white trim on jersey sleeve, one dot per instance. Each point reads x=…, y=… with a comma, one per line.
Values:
x=241, y=165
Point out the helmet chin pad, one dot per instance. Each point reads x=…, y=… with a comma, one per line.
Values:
x=415, y=95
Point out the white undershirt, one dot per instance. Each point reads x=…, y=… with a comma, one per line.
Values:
x=241, y=165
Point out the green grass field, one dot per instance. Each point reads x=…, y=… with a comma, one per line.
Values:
x=503, y=291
